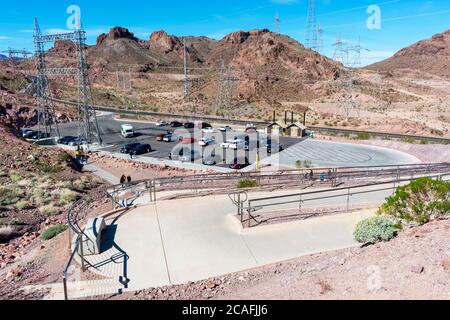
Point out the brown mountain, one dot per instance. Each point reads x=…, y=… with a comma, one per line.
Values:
x=431, y=56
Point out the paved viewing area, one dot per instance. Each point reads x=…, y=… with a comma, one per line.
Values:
x=200, y=238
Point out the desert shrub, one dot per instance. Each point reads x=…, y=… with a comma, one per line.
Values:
x=67, y=197
x=49, y=210
x=15, y=176
x=408, y=140
x=50, y=168
x=247, y=183
x=424, y=142
x=52, y=232
x=419, y=202
x=10, y=195
x=303, y=164
x=3, y=174
x=362, y=136
x=17, y=222
x=64, y=157
x=22, y=205
x=375, y=229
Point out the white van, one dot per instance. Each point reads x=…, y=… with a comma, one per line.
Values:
x=127, y=131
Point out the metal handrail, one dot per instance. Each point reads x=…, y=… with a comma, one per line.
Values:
x=254, y=206
x=288, y=175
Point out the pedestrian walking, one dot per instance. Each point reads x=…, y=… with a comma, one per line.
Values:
x=123, y=179
x=131, y=155
x=311, y=175
x=129, y=179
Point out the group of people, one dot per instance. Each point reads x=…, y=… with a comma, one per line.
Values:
x=80, y=156
x=125, y=180
x=323, y=176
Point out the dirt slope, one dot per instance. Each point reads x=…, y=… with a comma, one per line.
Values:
x=430, y=56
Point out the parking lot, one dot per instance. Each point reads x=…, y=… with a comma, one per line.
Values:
x=147, y=133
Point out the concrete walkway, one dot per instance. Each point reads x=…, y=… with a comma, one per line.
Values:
x=195, y=239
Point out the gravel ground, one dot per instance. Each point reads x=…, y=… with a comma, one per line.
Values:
x=415, y=265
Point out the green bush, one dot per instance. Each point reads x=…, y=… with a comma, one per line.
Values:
x=10, y=195
x=362, y=136
x=375, y=229
x=408, y=140
x=247, y=183
x=52, y=232
x=419, y=202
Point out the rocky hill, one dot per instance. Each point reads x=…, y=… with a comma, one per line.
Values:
x=431, y=56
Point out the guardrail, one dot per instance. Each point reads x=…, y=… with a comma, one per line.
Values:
x=76, y=216
x=282, y=179
x=299, y=199
x=262, y=123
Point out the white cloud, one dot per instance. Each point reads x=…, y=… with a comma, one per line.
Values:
x=4, y=38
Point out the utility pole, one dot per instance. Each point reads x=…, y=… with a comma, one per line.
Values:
x=186, y=77
x=311, y=26
x=319, y=39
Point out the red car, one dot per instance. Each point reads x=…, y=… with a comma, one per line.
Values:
x=238, y=165
x=188, y=140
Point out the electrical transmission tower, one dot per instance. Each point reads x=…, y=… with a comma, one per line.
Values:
x=186, y=76
x=14, y=54
x=87, y=118
x=277, y=23
x=226, y=88
x=124, y=80
x=339, y=50
x=311, y=26
x=319, y=39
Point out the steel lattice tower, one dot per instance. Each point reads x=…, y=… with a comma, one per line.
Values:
x=186, y=77
x=87, y=119
x=46, y=113
x=277, y=23
x=226, y=88
x=311, y=26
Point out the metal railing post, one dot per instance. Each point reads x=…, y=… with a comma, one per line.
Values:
x=66, y=295
x=348, y=200
x=83, y=265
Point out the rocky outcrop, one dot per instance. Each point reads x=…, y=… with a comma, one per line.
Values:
x=115, y=34
x=167, y=42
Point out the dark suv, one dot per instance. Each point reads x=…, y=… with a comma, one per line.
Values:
x=176, y=124
x=189, y=125
x=126, y=149
x=141, y=149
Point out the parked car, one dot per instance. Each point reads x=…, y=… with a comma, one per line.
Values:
x=169, y=137
x=127, y=131
x=204, y=125
x=77, y=142
x=189, y=125
x=24, y=132
x=188, y=140
x=204, y=142
x=162, y=124
x=226, y=144
x=225, y=129
x=212, y=160
x=36, y=135
x=239, y=164
x=65, y=139
x=209, y=130
x=237, y=144
x=190, y=156
x=141, y=149
x=176, y=124
x=126, y=149
x=160, y=137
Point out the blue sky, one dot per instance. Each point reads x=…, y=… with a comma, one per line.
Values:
x=403, y=21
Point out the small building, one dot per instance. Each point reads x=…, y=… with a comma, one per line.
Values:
x=277, y=129
x=297, y=129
